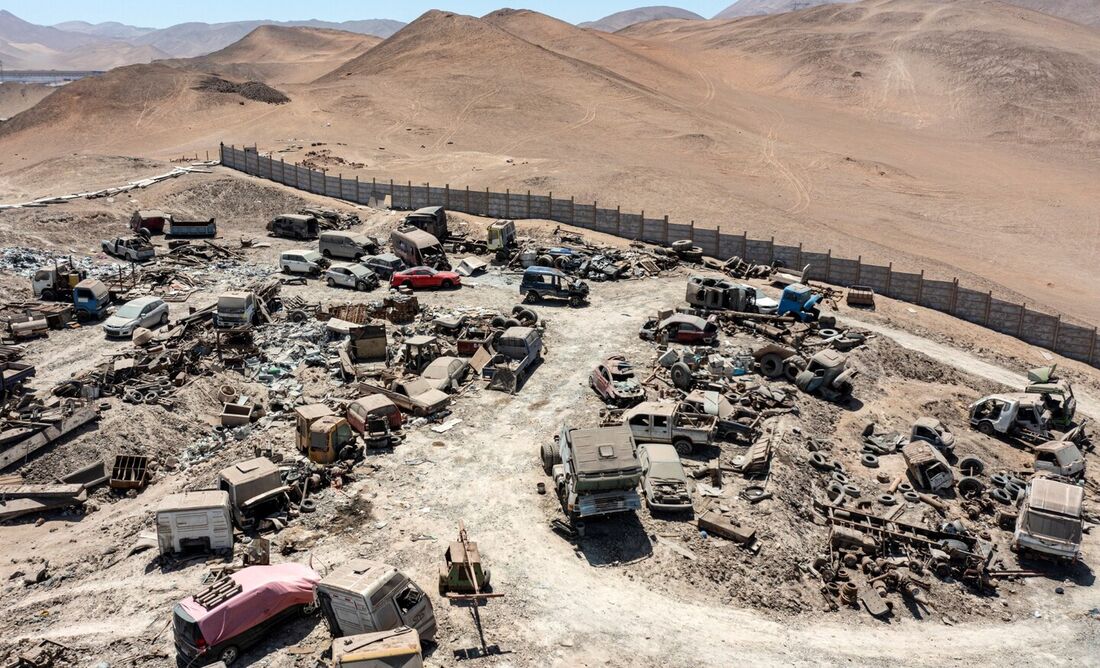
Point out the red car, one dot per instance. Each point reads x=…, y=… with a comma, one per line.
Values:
x=425, y=277
x=614, y=381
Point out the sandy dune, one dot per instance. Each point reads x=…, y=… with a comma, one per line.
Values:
x=970, y=124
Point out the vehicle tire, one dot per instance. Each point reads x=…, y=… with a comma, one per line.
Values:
x=548, y=455
x=840, y=477
x=164, y=318
x=360, y=286
x=835, y=489
x=681, y=376
x=905, y=487
x=970, y=486
x=827, y=332
x=683, y=446
x=869, y=460
x=887, y=499
x=331, y=283
x=971, y=466
x=793, y=366
x=827, y=321
x=310, y=609
x=1014, y=490
x=531, y=297
x=545, y=261
x=308, y=506
x=511, y=322
x=1001, y=496
x=999, y=479
x=447, y=284
x=771, y=366
x=498, y=322
x=49, y=295
x=229, y=655
x=818, y=461
x=527, y=317
x=986, y=427
x=576, y=302
x=911, y=496
x=327, y=253
x=681, y=245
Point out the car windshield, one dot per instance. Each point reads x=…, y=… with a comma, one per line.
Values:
x=131, y=310
x=359, y=270
x=311, y=256
x=1052, y=526
x=665, y=470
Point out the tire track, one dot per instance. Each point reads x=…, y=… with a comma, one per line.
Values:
x=457, y=124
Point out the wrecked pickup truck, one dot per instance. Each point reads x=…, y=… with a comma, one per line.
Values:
x=134, y=249
x=510, y=359
x=666, y=422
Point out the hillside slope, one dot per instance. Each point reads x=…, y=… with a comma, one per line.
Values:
x=1086, y=12
x=629, y=17
x=280, y=55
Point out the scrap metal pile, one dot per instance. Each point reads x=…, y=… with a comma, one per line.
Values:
x=580, y=258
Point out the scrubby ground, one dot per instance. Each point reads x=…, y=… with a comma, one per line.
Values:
x=626, y=594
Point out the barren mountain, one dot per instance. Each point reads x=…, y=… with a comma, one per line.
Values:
x=629, y=17
x=195, y=39
x=1080, y=11
x=106, y=29
x=966, y=121
x=279, y=55
x=25, y=45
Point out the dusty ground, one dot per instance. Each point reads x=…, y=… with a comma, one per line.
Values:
x=968, y=120
x=620, y=597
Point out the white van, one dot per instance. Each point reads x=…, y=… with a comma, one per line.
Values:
x=364, y=596
x=302, y=262
x=347, y=245
x=194, y=520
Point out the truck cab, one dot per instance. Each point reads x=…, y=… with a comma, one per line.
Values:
x=418, y=248
x=90, y=299
x=235, y=309
x=430, y=219
x=718, y=294
x=321, y=434
x=515, y=353
x=501, y=235
x=134, y=249
x=1057, y=394
x=255, y=490
x=665, y=422
x=294, y=226
x=541, y=282
x=364, y=596
x=57, y=282
x=1049, y=522
x=596, y=471
x=1020, y=414
x=800, y=301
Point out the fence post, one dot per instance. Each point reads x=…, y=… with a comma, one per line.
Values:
x=393, y=198
x=594, y=226
x=618, y=220
x=528, y=205
x=800, y=264
x=1057, y=332
x=988, y=307
x=666, y=229
x=550, y=199
x=282, y=170
x=718, y=242
x=745, y=246
x=920, y=287
x=373, y=187
x=486, y=203
x=691, y=231
x=1020, y=323
x=340, y=184
x=771, y=250
x=309, y=175
x=829, y=266
x=446, y=195
x=410, y=195
x=358, y=192
x=1092, y=347
x=572, y=211
x=467, y=199
x=507, y=203
x=954, y=296
x=889, y=279
x=859, y=269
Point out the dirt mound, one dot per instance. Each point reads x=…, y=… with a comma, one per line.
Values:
x=277, y=54
x=17, y=97
x=250, y=90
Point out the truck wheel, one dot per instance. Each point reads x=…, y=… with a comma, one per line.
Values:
x=527, y=317
x=971, y=466
x=531, y=297
x=360, y=286
x=793, y=366
x=447, y=284
x=827, y=321
x=771, y=366
x=548, y=456
x=511, y=322
x=498, y=322
x=331, y=283
x=681, y=376
x=327, y=253
x=986, y=427
x=49, y=295
x=545, y=261
x=164, y=318
x=683, y=446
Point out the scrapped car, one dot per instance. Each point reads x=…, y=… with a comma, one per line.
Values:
x=294, y=226
x=547, y=282
x=927, y=467
x=664, y=483
x=614, y=382
x=425, y=277
x=364, y=408
x=347, y=245
x=363, y=596
x=668, y=422
x=255, y=490
x=240, y=609
x=1020, y=415
x=446, y=373
x=235, y=309
x=1049, y=522
x=141, y=312
x=1061, y=458
x=681, y=328
x=302, y=262
x=384, y=265
x=933, y=431
x=354, y=276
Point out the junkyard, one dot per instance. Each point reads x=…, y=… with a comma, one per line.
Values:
x=250, y=425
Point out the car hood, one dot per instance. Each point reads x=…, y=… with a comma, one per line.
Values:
x=118, y=322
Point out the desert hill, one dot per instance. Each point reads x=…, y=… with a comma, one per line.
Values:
x=969, y=120
x=1079, y=11
x=280, y=55
x=17, y=97
x=26, y=46
x=629, y=17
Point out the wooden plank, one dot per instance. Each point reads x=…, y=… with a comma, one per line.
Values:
x=713, y=522
x=33, y=490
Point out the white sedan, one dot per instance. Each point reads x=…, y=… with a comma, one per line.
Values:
x=354, y=276
x=764, y=303
x=142, y=312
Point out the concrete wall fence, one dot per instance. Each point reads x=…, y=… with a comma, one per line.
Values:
x=979, y=307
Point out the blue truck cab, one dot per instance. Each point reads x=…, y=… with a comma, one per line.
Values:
x=90, y=299
x=800, y=301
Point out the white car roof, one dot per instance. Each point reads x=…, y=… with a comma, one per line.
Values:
x=144, y=301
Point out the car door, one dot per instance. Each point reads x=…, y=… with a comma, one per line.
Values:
x=599, y=380
x=149, y=315
x=343, y=277
x=422, y=279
